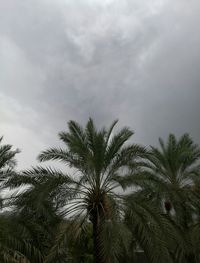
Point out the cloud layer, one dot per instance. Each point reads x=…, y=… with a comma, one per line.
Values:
x=134, y=60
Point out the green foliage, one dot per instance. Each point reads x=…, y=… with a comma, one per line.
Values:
x=101, y=161
x=173, y=172
x=116, y=203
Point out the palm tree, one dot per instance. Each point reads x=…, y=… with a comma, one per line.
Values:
x=7, y=161
x=9, y=243
x=173, y=171
x=36, y=210
x=97, y=158
x=101, y=163
x=15, y=242
x=15, y=245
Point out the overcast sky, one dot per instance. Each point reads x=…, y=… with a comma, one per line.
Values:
x=135, y=60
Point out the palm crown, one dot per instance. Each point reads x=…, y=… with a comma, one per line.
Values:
x=174, y=169
x=100, y=160
x=104, y=165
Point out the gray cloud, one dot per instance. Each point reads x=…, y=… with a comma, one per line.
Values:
x=133, y=60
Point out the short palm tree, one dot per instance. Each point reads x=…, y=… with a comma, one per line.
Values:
x=174, y=171
x=7, y=161
x=9, y=243
x=36, y=211
x=16, y=242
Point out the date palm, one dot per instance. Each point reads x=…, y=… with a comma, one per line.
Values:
x=7, y=164
x=7, y=161
x=174, y=172
x=9, y=243
x=15, y=239
x=101, y=163
x=35, y=209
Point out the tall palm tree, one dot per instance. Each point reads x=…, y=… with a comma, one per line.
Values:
x=98, y=159
x=101, y=162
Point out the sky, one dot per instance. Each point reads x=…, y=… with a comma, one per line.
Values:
x=134, y=60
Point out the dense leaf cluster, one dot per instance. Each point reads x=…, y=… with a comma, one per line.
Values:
x=113, y=201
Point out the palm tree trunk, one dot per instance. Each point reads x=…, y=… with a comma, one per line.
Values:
x=191, y=258
x=97, y=242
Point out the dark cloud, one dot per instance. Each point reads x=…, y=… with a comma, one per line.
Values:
x=133, y=60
